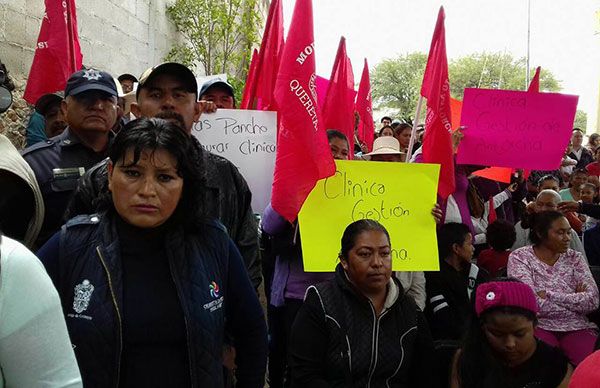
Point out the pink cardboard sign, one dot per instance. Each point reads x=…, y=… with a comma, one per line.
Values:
x=507, y=128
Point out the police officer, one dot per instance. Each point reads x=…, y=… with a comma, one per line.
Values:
x=90, y=110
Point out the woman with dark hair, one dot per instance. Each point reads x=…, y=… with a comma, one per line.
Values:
x=593, y=141
x=500, y=349
x=386, y=131
x=563, y=283
x=148, y=285
x=403, y=133
x=360, y=329
x=338, y=142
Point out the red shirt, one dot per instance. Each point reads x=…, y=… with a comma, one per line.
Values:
x=593, y=168
x=492, y=261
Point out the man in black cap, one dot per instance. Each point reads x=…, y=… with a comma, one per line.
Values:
x=127, y=81
x=90, y=110
x=170, y=91
x=218, y=92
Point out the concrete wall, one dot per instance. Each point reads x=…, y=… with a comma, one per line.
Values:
x=115, y=35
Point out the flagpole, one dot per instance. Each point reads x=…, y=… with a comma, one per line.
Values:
x=528, y=39
x=413, y=133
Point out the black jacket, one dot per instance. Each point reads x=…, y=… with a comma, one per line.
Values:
x=85, y=266
x=586, y=158
x=228, y=199
x=448, y=306
x=338, y=341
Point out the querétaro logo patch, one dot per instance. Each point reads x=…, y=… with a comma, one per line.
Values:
x=83, y=294
x=214, y=289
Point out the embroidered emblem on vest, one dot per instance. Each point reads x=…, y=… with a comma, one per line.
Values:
x=83, y=293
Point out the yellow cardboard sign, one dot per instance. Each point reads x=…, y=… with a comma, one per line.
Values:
x=398, y=195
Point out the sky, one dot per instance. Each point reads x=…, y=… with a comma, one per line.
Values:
x=563, y=38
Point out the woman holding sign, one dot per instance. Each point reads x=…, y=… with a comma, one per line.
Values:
x=360, y=329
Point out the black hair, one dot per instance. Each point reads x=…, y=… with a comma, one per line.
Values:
x=450, y=234
x=385, y=118
x=476, y=355
x=590, y=185
x=153, y=134
x=540, y=225
x=335, y=134
x=401, y=127
x=382, y=129
x=354, y=230
x=501, y=235
x=547, y=178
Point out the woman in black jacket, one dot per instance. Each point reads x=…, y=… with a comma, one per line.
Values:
x=360, y=329
x=147, y=288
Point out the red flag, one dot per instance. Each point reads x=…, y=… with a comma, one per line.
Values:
x=364, y=107
x=260, y=95
x=338, y=109
x=57, y=54
x=250, y=81
x=455, y=111
x=303, y=154
x=437, y=143
x=498, y=174
x=534, y=85
x=492, y=216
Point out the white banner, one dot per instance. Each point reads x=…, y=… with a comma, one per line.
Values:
x=248, y=138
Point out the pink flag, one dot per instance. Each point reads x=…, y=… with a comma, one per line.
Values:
x=303, y=154
x=57, y=54
x=338, y=109
x=437, y=143
x=364, y=107
x=260, y=95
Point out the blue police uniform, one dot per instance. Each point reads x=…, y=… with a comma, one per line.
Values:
x=58, y=163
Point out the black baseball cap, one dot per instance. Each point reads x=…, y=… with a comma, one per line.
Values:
x=177, y=69
x=216, y=82
x=91, y=79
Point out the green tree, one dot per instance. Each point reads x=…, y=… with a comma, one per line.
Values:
x=580, y=120
x=396, y=82
x=494, y=71
x=218, y=36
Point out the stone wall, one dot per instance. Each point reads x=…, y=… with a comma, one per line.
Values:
x=115, y=35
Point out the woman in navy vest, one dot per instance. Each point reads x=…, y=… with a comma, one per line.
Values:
x=149, y=286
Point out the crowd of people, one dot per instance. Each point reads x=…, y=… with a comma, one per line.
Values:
x=149, y=261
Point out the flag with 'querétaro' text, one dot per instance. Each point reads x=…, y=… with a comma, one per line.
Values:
x=303, y=154
x=57, y=54
x=437, y=141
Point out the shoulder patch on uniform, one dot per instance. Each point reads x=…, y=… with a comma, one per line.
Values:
x=38, y=146
x=87, y=219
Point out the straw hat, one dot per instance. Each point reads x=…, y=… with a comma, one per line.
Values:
x=385, y=145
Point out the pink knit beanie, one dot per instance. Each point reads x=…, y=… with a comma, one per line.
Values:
x=499, y=294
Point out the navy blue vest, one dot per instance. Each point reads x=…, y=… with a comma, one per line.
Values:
x=90, y=286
